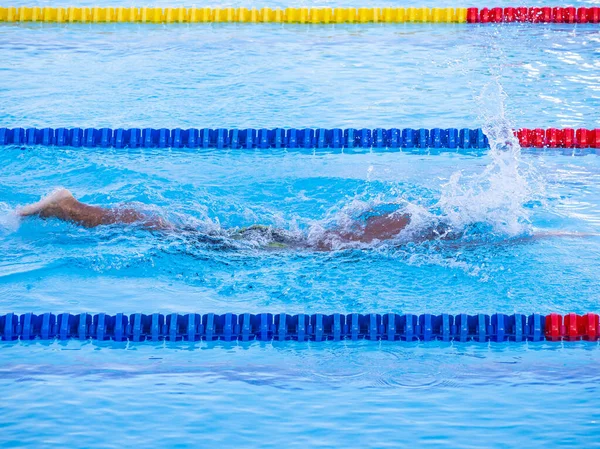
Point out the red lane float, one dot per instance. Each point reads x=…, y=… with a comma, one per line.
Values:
x=554, y=327
x=534, y=14
x=588, y=326
x=572, y=327
x=559, y=138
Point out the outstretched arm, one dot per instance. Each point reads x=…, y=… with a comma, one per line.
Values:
x=62, y=204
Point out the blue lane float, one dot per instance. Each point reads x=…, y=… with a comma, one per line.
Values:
x=450, y=138
x=140, y=327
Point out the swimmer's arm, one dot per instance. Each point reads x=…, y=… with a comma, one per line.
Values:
x=548, y=234
x=62, y=205
x=539, y=235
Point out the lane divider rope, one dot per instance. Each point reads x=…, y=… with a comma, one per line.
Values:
x=139, y=327
x=451, y=138
x=557, y=14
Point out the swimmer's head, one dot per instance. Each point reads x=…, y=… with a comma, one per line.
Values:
x=379, y=210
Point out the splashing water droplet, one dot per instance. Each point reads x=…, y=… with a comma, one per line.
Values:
x=496, y=197
x=9, y=220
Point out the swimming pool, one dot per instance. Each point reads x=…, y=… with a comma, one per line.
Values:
x=373, y=394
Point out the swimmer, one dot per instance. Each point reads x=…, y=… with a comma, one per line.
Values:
x=61, y=204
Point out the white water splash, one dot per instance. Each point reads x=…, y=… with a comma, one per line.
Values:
x=9, y=220
x=498, y=195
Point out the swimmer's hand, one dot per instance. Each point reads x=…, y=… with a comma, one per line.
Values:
x=56, y=199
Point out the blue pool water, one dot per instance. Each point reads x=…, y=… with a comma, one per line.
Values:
x=288, y=394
